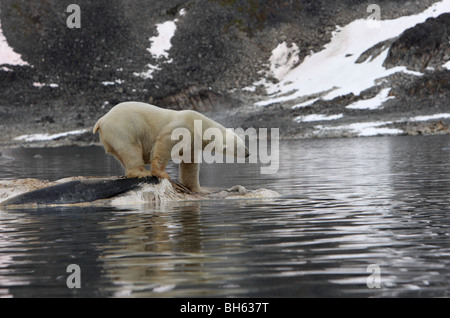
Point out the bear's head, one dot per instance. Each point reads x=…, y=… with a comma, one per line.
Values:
x=233, y=144
x=224, y=141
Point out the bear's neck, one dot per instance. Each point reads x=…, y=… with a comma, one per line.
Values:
x=209, y=123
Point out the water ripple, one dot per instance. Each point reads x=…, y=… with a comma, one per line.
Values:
x=347, y=204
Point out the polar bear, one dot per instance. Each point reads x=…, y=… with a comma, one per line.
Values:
x=138, y=134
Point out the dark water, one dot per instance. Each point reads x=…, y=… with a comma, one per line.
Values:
x=355, y=213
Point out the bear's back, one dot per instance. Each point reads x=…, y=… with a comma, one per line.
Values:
x=139, y=107
x=134, y=119
x=134, y=112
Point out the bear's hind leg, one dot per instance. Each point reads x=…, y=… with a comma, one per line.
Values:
x=125, y=150
x=161, y=156
x=133, y=161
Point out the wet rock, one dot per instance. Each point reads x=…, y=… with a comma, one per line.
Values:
x=197, y=98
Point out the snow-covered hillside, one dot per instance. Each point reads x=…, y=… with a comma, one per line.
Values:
x=312, y=70
x=337, y=71
x=334, y=71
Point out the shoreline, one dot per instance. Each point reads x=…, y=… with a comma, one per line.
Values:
x=59, y=136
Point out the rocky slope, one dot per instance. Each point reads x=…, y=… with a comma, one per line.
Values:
x=216, y=49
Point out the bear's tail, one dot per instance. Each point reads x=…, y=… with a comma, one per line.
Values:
x=96, y=127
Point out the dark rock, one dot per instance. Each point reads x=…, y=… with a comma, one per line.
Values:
x=38, y=30
x=432, y=84
x=46, y=119
x=197, y=98
x=425, y=45
x=374, y=51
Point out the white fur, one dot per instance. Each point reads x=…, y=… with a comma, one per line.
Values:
x=138, y=134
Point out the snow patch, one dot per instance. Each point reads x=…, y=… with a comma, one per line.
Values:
x=377, y=128
x=307, y=103
x=367, y=129
x=39, y=85
x=430, y=117
x=45, y=137
x=372, y=103
x=148, y=74
x=447, y=65
x=283, y=59
x=5, y=69
x=249, y=89
x=108, y=83
x=160, y=46
x=317, y=117
x=7, y=54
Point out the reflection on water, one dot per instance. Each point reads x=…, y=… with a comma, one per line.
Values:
x=347, y=204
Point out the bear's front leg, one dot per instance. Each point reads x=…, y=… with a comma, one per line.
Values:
x=161, y=174
x=189, y=174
